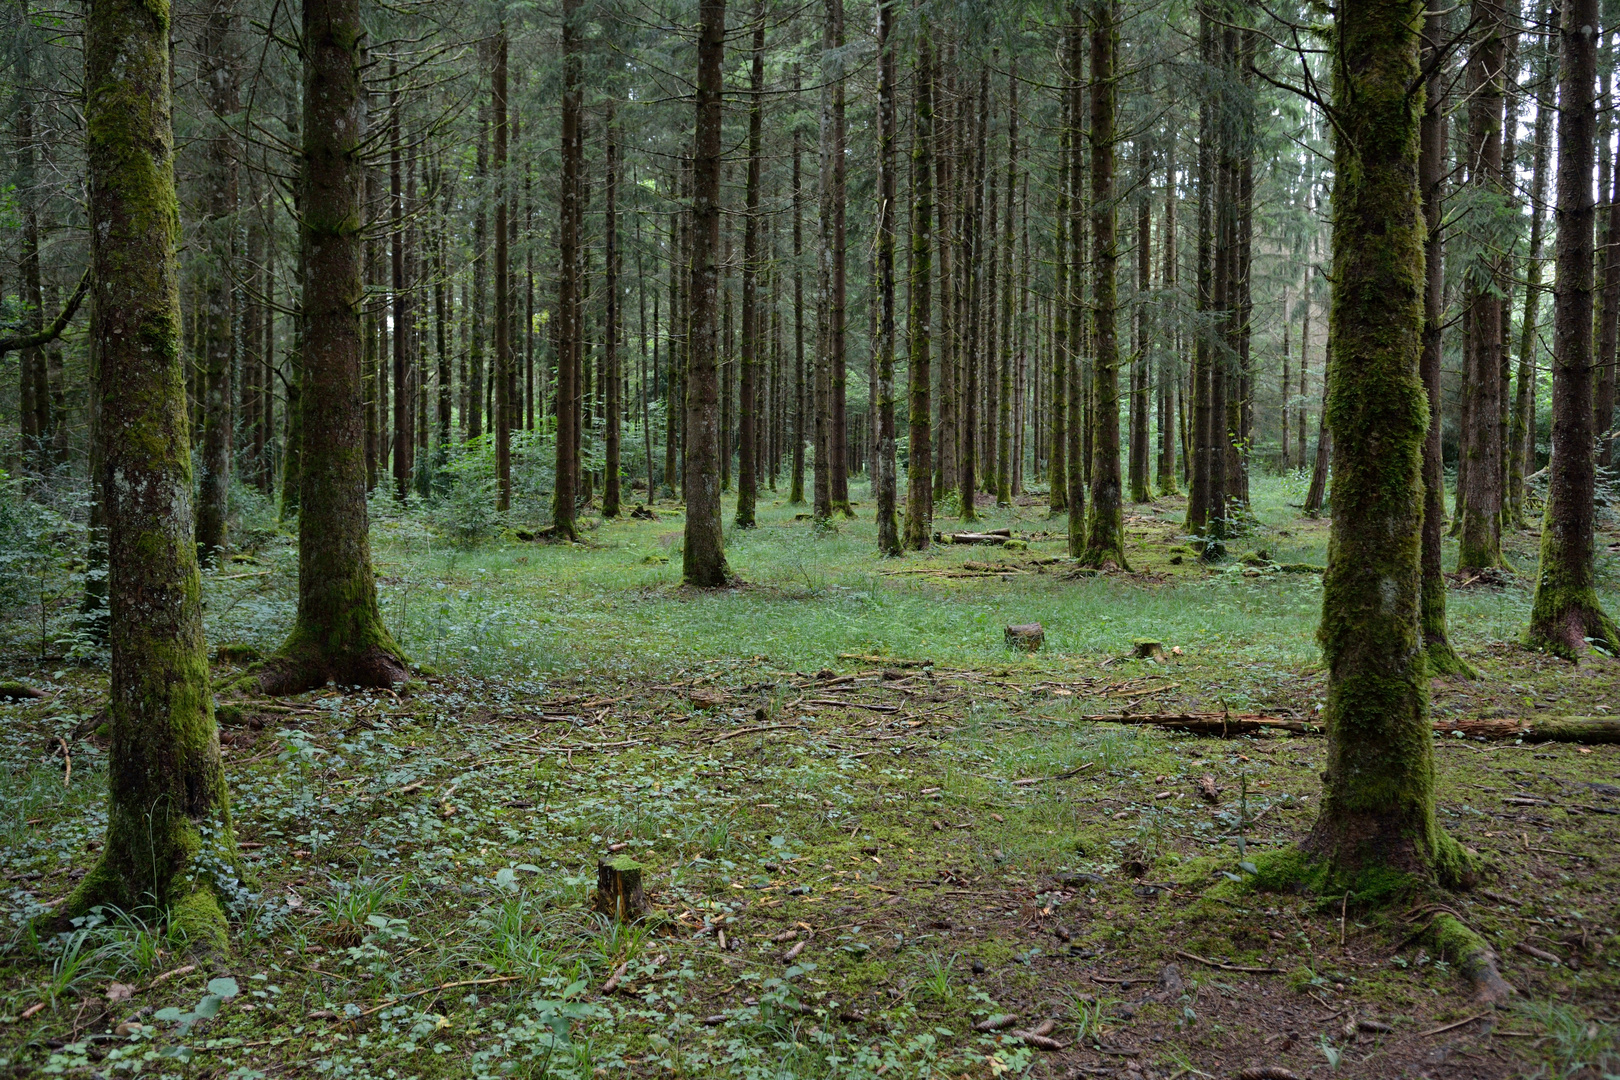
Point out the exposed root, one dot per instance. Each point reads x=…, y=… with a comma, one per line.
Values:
x=1471, y=955
x=372, y=667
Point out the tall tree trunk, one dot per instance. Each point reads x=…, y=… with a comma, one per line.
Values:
x=946, y=180
x=33, y=402
x=752, y=339
x=704, y=556
x=168, y=820
x=796, y=491
x=1565, y=617
x=973, y=281
x=564, y=491
x=612, y=406
x=883, y=462
x=825, y=273
x=475, y=355
x=1377, y=808
x=1005, y=470
x=1068, y=157
x=1443, y=659
x=1608, y=325
x=1170, y=357
x=1139, y=350
x=1204, y=511
x=1480, y=545
x=919, y=461
x=1523, y=396
x=1105, y=538
x=1077, y=455
x=500, y=419
x=219, y=79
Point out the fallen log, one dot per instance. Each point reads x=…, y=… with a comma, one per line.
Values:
x=1587, y=730
x=997, y=537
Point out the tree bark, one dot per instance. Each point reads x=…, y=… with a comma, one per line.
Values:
x=338, y=634
x=612, y=406
x=883, y=462
x=796, y=490
x=500, y=419
x=1519, y=446
x=752, y=339
x=1442, y=658
x=1377, y=809
x=1105, y=537
x=169, y=840
x=1566, y=618
x=1480, y=545
x=1058, y=469
x=219, y=79
x=564, y=492
x=704, y=556
x=919, y=462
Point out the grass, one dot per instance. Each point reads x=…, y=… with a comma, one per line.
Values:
x=422, y=862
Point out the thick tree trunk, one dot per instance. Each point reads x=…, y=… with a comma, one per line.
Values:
x=883, y=461
x=1105, y=537
x=1058, y=469
x=338, y=634
x=1077, y=455
x=947, y=181
x=753, y=342
x=1608, y=326
x=704, y=555
x=919, y=463
x=1566, y=618
x=1377, y=809
x=1201, y=508
x=219, y=79
x=169, y=841
x=1443, y=659
x=1139, y=344
x=828, y=150
x=1170, y=357
x=973, y=278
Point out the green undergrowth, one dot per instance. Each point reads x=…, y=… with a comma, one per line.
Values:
x=952, y=844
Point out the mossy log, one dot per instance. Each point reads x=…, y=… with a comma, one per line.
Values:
x=1587, y=730
x=619, y=894
x=11, y=690
x=996, y=537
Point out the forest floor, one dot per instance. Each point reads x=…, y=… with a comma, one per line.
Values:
x=869, y=831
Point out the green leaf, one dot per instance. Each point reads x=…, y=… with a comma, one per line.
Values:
x=225, y=988
x=169, y=1014
x=1249, y=866
x=208, y=1006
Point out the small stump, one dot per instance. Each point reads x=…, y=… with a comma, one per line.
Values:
x=619, y=895
x=1028, y=637
x=1149, y=650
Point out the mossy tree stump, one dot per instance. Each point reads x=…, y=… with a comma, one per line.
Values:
x=1028, y=637
x=619, y=893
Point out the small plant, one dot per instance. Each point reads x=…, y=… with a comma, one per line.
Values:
x=1333, y=1054
x=938, y=982
x=219, y=991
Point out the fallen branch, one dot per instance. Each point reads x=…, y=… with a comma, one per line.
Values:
x=1569, y=729
x=752, y=730
x=436, y=989
x=1453, y=1024
x=1184, y=954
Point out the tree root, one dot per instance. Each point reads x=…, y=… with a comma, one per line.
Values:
x=1471, y=955
x=294, y=674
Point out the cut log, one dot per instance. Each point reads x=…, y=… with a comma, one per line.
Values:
x=15, y=691
x=1029, y=637
x=1589, y=730
x=619, y=894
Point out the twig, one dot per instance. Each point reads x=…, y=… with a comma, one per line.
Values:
x=1224, y=966
x=435, y=989
x=1453, y=1024
x=1059, y=776
x=752, y=730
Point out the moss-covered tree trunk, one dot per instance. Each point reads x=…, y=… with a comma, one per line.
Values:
x=1006, y=471
x=1077, y=450
x=837, y=309
x=1443, y=659
x=169, y=840
x=1377, y=810
x=753, y=337
x=800, y=427
x=883, y=461
x=500, y=417
x=1105, y=534
x=920, y=460
x=1566, y=617
x=1058, y=468
x=704, y=553
x=339, y=634
x=1521, y=445
x=613, y=372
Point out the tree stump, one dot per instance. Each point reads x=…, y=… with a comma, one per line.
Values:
x=1029, y=637
x=618, y=894
x=1149, y=650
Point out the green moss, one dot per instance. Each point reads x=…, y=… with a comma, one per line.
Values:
x=199, y=917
